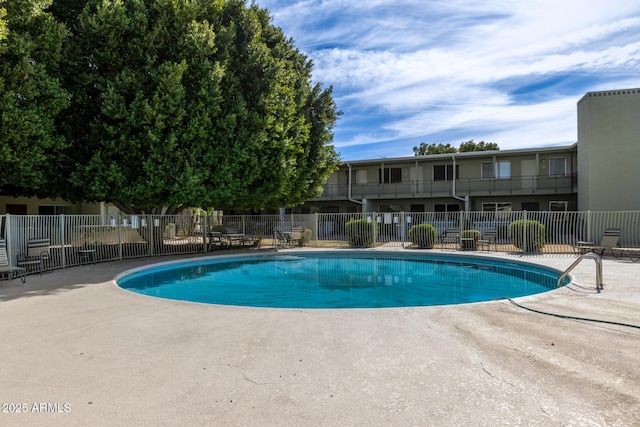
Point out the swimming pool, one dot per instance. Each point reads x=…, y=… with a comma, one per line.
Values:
x=341, y=279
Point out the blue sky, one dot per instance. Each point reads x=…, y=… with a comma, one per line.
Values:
x=447, y=71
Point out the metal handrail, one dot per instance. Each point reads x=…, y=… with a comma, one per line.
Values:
x=282, y=236
x=593, y=256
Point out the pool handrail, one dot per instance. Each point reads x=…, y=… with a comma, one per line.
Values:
x=598, y=261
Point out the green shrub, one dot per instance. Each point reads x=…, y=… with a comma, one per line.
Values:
x=361, y=232
x=423, y=235
x=470, y=234
x=535, y=239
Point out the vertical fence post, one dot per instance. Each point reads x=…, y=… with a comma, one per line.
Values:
x=403, y=227
x=315, y=230
x=152, y=232
x=119, y=225
x=8, y=239
x=525, y=242
x=589, y=227
x=380, y=222
x=205, y=232
x=63, y=249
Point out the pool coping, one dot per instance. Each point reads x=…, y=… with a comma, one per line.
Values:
x=413, y=254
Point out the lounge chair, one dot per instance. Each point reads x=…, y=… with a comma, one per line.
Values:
x=632, y=253
x=7, y=269
x=609, y=240
x=37, y=254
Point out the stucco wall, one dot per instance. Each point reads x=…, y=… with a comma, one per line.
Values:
x=609, y=150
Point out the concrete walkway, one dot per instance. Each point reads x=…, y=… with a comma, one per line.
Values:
x=76, y=350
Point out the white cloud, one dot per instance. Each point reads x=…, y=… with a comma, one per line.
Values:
x=409, y=70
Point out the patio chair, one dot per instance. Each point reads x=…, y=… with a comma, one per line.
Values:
x=37, y=254
x=489, y=238
x=232, y=236
x=609, y=240
x=281, y=238
x=215, y=240
x=451, y=238
x=297, y=235
x=7, y=269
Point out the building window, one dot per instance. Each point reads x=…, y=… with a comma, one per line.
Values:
x=390, y=208
x=558, y=206
x=359, y=176
x=499, y=170
x=503, y=170
x=487, y=170
x=53, y=210
x=449, y=207
x=390, y=175
x=558, y=166
x=530, y=206
x=445, y=172
x=15, y=209
x=496, y=207
x=330, y=209
x=417, y=208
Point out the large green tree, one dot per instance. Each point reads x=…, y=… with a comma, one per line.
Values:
x=30, y=96
x=190, y=103
x=426, y=149
x=468, y=146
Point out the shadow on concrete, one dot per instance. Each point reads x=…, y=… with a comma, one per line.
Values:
x=76, y=277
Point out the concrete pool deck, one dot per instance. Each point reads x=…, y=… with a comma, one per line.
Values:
x=77, y=350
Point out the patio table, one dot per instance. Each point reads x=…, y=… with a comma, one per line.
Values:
x=87, y=255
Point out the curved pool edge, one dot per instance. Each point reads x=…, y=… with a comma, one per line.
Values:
x=414, y=253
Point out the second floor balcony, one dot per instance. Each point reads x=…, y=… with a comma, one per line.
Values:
x=473, y=187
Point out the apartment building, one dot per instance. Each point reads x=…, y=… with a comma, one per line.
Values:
x=526, y=179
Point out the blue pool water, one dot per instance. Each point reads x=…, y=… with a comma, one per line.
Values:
x=340, y=280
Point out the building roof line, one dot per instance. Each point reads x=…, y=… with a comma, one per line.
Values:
x=610, y=93
x=491, y=153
